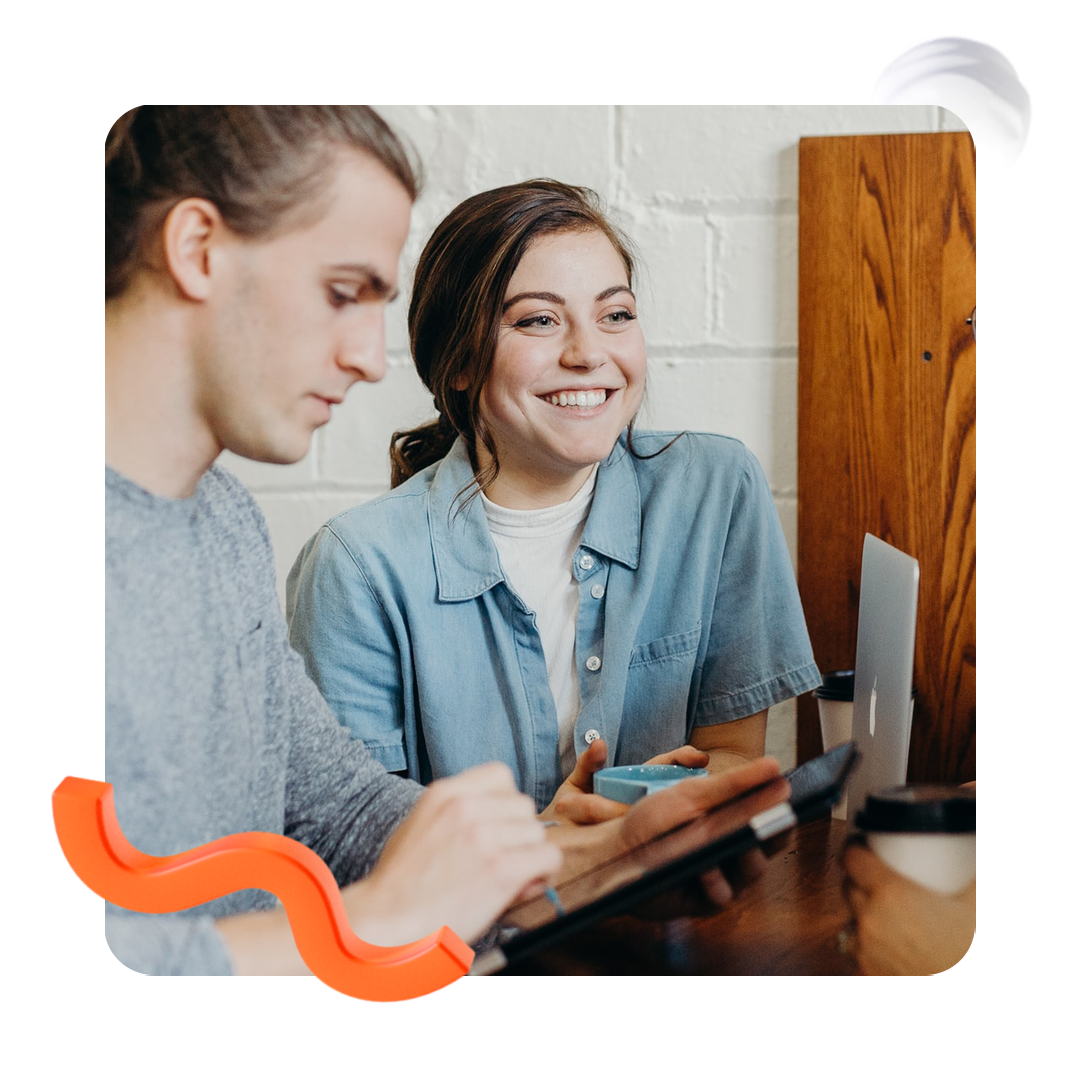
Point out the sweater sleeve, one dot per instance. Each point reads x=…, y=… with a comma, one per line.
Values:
x=166, y=945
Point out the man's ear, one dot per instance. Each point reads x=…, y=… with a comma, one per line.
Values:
x=190, y=228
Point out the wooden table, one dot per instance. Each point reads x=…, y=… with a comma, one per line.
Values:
x=786, y=923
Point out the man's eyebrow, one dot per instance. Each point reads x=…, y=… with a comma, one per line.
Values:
x=382, y=289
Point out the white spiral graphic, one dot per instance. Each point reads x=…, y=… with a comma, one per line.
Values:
x=972, y=80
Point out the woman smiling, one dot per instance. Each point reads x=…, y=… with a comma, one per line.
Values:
x=584, y=592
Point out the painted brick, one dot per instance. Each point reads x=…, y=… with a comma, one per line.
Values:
x=751, y=400
x=787, y=509
x=716, y=153
x=757, y=281
x=671, y=276
x=354, y=448
x=572, y=143
x=397, y=327
x=444, y=138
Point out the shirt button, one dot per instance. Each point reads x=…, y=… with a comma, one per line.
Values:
x=597, y=591
x=593, y=663
x=585, y=562
x=592, y=735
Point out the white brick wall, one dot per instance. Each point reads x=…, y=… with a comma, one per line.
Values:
x=709, y=194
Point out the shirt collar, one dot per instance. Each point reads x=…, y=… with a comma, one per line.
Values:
x=466, y=562
x=614, y=525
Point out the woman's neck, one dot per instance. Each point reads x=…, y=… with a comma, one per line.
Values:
x=516, y=491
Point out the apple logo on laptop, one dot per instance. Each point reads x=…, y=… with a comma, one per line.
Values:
x=873, y=705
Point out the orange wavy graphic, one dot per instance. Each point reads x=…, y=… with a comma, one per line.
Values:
x=101, y=856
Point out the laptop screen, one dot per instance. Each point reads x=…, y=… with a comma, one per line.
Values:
x=884, y=661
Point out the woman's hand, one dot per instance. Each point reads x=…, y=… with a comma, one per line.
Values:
x=471, y=846
x=575, y=803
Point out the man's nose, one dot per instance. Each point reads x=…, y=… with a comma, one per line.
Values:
x=364, y=350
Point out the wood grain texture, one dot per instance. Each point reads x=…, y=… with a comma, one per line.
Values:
x=887, y=412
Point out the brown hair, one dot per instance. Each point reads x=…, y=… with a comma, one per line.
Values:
x=456, y=307
x=258, y=164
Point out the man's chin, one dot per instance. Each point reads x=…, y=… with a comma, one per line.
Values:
x=279, y=454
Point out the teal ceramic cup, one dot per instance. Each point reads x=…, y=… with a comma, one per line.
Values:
x=628, y=783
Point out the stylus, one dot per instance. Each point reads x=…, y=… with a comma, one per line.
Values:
x=553, y=896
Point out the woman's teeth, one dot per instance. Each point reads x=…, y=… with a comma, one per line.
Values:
x=585, y=399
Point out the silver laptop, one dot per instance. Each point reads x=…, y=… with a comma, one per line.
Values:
x=884, y=661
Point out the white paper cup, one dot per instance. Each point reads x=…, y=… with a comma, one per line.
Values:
x=925, y=832
x=834, y=700
x=835, y=723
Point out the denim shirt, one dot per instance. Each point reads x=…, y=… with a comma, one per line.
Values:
x=688, y=615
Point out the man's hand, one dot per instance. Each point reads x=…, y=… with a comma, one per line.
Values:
x=575, y=803
x=903, y=928
x=746, y=791
x=471, y=846
x=749, y=789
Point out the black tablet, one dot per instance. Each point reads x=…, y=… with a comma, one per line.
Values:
x=713, y=839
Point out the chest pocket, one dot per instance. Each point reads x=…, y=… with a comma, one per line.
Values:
x=658, y=685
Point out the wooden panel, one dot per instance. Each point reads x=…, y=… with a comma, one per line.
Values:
x=887, y=411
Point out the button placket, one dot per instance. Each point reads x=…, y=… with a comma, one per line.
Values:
x=591, y=572
x=591, y=566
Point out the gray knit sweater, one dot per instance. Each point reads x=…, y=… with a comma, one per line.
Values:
x=211, y=723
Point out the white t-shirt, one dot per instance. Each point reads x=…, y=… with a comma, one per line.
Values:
x=536, y=549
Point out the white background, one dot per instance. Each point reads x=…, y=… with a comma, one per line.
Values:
x=70, y=1005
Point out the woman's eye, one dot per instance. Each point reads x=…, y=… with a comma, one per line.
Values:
x=621, y=316
x=541, y=322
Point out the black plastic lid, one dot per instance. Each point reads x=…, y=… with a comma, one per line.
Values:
x=929, y=808
x=840, y=686
x=837, y=686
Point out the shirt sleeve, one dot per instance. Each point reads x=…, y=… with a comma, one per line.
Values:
x=759, y=650
x=339, y=627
